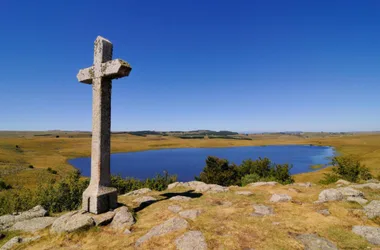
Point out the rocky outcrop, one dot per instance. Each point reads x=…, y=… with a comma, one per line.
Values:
x=180, y=198
x=192, y=240
x=8, y=220
x=262, y=183
x=374, y=186
x=372, y=210
x=190, y=214
x=103, y=219
x=280, y=198
x=18, y=240
x=32, y=225
x=138, y=192
x=72, y=221
x=246, y=193
x=371, y=234
x=123, y=218
x=144, y=199
x=175, y=208
x=171, y=225
x=199, y=186
x=359, y=200
x=339, y=194
x=314, y=242
x=261, y=210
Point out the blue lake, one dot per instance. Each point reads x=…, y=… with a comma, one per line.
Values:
x=189, y=162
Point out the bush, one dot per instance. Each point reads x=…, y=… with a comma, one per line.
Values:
x=348, y=168
x=30, y=166
x=4, y=186
x=52, y=171
x=219, y=171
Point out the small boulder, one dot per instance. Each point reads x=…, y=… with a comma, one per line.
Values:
x=192, y=240
x=324, y=212
x=8, y=220
x=343, y=182
x=123, y=218
x=144, y=199
x=103, y=219
x=213, y=188
x=280, y=198
x=71, y=222
x=138, y=192
x=372, y=234
x=303, y=184
x=263, y=183
x=246, y=193
x=372, y=210
x=171, y=225
x=330, y=195
x=190, y=214
x=261, y=210
x=314, y=242
x=175, y=208
x=350, y=192
x=180, y=198
x=32, y=225
x=359, y=200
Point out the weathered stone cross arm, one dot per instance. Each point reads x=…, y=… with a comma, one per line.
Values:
x=112, y=70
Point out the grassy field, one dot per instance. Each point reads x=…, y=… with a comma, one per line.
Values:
x=42, y=150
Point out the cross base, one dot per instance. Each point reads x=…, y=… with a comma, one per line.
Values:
x=99, y=199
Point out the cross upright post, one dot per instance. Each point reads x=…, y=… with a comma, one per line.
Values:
x=99, y=197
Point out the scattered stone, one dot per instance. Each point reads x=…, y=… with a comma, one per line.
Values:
x=173, y=224
x=330, y=195
x=175, y=208
x=343, y=182
x=372, y=210
x=280, y=198
x=144, y=199
x=314, y=242
x=72, y=221
x=180, y=198
x=127, y=231
x=103, y=219
x=8, y=220
x=226, y=203
x=303, y=184
x=32, y=225
x=246, y=193
x=192, y=240
x=138, y=192
x=374, y=186
x=359, y=200
x=262, y=183
x=18, y=240
x=372, y=234
x=294, y=190
x=324, y=212
x=261, y=210
x=190, y=214
x=199, y=186
x=276, y=223
x=123, y=218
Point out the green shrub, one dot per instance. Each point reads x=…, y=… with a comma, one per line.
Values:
x=30, y=166
x=329, y=178
x=4, y=186
x=52, y=171
x=219, y=171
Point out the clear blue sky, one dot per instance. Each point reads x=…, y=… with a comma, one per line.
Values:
x=237, y=65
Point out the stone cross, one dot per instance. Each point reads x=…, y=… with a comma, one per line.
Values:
x=99, y=197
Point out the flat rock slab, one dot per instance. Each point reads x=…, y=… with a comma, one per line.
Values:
x=180, y=198
x=246, y=193
x=8, y=220
x=350, y=192
x=199, y=186
x=72, y=221
x=18, y=240
x=171, y=225
x=359, y=200
x=192, y=240
x=103, y=219
x=372, y=234
x=144, y=199
x=330, y=195
x=138, y=192
x=32, y=225
x=372, y=210
x=261, y=210
x=314, y=242
x=375, y=186
x=123, y=218
x=175, y=208
x=190, y=214
x=262, y=183
x=302, y=184
x=280, y=198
